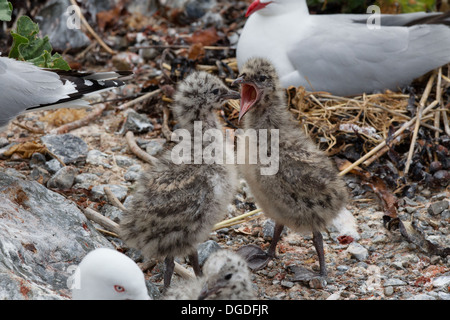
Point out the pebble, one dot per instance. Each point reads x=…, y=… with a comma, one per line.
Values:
x=441, y=282
x=67, y=147
x=63, y=179
x=53, y=166
x=205, y=249
x=124, y=161
x=287, y=284
x=85, y=180
x=133, y=173
x=98, y=158
x=358, y=251
x=389, y=291
x=136, y=123
x=438, y=207
x=394, y=282
x=155, y=146
x=120, y=192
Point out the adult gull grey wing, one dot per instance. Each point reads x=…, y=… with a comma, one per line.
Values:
x=25, y=87
x=340, y=53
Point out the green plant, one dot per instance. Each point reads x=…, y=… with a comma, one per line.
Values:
x=5, y=10
x=27, y=46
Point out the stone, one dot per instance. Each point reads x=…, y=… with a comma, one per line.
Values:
x=63, y=179
x=205, y=249
x=120, y=192
x=394, y=282
x=57, y=22
x=438, y=207
x=357, y=251
x=43, y=236
x=98, y=158
x=67, y=147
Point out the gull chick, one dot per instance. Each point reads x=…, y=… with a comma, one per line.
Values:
x=106, y=274
x=175, y=206
x=226, y=276
x=26, y=88
x=306, y=193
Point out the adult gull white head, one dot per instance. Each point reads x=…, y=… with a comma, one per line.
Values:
x=106, y=274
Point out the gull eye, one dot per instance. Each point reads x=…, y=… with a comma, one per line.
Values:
x=228, y=276
x=215, y=91
x=119, y=288
x=262, y=78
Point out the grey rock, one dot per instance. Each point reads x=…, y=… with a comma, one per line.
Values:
x=422, y=296
x=85, y=180
x=205, y=249
x=438, y=207
x=136, y=123
x=52, y=166
x=358, y=251
x=287, y=284
x=98, y=158
x=120, y=192
x=112, y=212
x=63, y=179
x=54, y=20
x=155, y=146
x=37, y=160
x=3, y=142
x=67, y=147
x=441, y=282
x=42, y=238
x=40, y=175
x=389, y=291
x=394, y=282
x=124, y=161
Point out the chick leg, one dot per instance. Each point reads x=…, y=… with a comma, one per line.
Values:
x=318, y=244
x=193, y=258
x=170, y=265
x=303, y=274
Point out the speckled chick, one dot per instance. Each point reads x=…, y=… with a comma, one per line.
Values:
x=226, y=276
x=306, y=193
x=175, y=206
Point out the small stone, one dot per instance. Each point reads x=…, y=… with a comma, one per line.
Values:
x=317, y=283
x=53, y=166
x=98, y=158
x=136, y=123
x=124, y=161
x=40, y=175
x=358, y=251
x=394, y=282
x=205, y=249
x=85, y=180
x=422, y=296
x=437, y=207
x=120, y=192
x=155, y=146
x=443, y=281
x=63, y=179
x=287, y=284
x=389, y=291
x=37, y=160
x=67, y=147
x=3, y=142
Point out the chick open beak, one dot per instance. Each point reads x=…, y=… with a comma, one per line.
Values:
x=250, y=94
x=231, y=94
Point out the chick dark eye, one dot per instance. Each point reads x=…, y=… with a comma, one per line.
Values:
x=262, y=78
x=215, y=91
x=228, y=276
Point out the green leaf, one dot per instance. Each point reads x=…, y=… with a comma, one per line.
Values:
x=28, y=46
x=5, y=10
